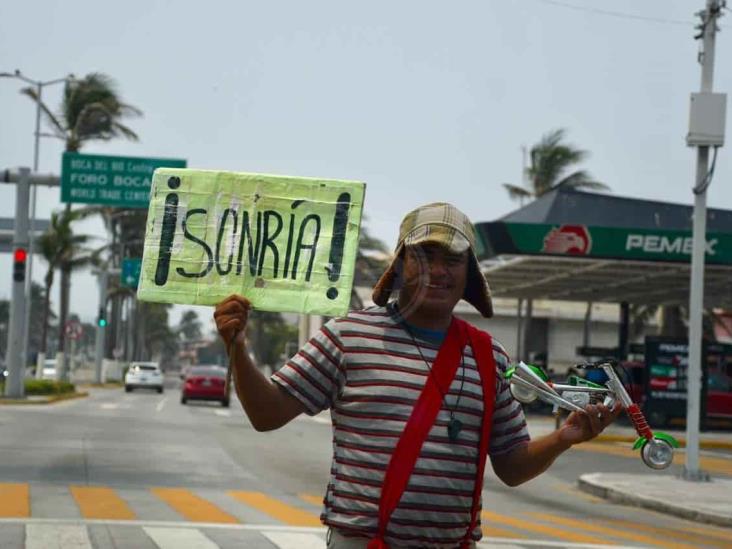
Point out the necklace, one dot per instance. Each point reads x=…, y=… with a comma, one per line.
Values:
x=454, y=426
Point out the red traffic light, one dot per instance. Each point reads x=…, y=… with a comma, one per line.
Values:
x=20, y=255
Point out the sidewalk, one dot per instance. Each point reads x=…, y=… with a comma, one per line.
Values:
x=705, y=501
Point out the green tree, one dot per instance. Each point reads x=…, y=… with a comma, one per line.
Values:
x=551, y=163
x=372, y=259
x=65, y=250
x=189, y=327
x=156, y=339
x=91, y=109
x=269, y=335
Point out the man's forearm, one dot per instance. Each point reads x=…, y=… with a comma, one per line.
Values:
x=258, y=395
x=529, y=460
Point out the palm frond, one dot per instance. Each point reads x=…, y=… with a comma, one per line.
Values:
x=582, y=180
x=56, y=126
x=120, y=129
x=515, y=192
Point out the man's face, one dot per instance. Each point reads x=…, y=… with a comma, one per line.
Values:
x=434, y=277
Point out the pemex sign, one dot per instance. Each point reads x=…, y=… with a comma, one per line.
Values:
x=599, y=242
x=288, y=244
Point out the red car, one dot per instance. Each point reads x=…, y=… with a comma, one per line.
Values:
x=205, y=383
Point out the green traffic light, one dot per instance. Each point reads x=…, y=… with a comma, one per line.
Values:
x=102, y=322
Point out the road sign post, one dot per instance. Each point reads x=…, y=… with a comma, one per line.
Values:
x=100, y=329
x=110, y=180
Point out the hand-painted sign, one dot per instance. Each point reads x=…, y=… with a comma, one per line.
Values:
x=598, y=242
x=287, y=244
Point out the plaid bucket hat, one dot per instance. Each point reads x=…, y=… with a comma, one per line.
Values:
x=442, y=224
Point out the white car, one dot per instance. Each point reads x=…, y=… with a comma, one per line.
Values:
x=144, y=375
x=49, y=369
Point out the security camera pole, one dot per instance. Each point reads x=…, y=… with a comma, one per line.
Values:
x=706, y=128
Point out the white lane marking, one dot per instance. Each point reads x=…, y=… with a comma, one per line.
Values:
x=161, y=404
x=223, y=413
x=109, y=406
x=175, y=538
x=56, y=536
x=325, y=420
x=284, y=540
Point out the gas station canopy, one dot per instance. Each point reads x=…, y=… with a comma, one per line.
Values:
x=579, y=246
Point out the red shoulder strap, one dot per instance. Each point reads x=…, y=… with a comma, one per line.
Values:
x=418, y=427
x=482, y=345
x=423, y=418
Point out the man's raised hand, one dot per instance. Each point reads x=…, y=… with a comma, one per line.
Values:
x=231, y=317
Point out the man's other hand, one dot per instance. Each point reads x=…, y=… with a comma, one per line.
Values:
x=231, y=317
x=586, y=425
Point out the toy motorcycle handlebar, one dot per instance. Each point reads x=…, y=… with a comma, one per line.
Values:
x=527, y=383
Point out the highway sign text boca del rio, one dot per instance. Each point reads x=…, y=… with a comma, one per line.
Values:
x=287, y=244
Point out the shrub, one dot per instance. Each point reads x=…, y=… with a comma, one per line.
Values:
x=47, y=387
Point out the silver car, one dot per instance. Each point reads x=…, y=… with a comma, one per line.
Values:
x=144, y=375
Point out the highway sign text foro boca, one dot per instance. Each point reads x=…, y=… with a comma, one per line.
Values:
x=110, y=180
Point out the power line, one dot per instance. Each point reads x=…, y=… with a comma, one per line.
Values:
x=618, y=14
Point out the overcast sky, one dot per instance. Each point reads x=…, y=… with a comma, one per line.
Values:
x=422, y=100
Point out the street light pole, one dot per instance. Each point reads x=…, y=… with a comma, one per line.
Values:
x=39, y=85
x=708, y=27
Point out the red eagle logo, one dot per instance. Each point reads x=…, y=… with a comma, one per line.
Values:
x=568, y=239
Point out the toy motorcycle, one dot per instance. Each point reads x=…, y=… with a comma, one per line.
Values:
x=527, y=383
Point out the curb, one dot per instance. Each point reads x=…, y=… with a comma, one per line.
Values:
x=587, y=484
x=706, y=444
x=52, y=400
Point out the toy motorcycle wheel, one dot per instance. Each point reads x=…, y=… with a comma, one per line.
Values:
x=657, y=453
x=523, y=395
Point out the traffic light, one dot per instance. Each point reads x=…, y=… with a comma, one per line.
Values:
x=101, y=319
x=20, y=256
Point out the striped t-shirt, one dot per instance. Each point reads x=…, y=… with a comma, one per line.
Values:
x=367, y=370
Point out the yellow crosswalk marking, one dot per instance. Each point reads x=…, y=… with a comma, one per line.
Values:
x=14, y=500
x=276, y=509
x=712, y=531
x=705, y=538
x=191, y=506
x=98, y=502
x=495, y=532
x=613, y=532
x=315, y=500
x=552, y=531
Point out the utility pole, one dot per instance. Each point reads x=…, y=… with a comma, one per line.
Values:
x=14, y=387
x=23, y=179
x=706, y=128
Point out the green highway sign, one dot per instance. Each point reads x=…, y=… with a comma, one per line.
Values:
x=501, y=238
x=110, y=180
x=130, y=275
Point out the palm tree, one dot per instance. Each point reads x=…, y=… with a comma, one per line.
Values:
x=62, y=249
x=91, y=109
x=551, y=159
x=372, y=259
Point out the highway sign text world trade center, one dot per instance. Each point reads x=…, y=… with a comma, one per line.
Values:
x=110, y=180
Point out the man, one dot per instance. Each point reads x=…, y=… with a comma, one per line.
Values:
x=375, y=367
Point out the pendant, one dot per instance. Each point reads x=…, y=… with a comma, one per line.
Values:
x=453, y=429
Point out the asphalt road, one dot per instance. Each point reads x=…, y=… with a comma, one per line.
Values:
x=141, y=470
